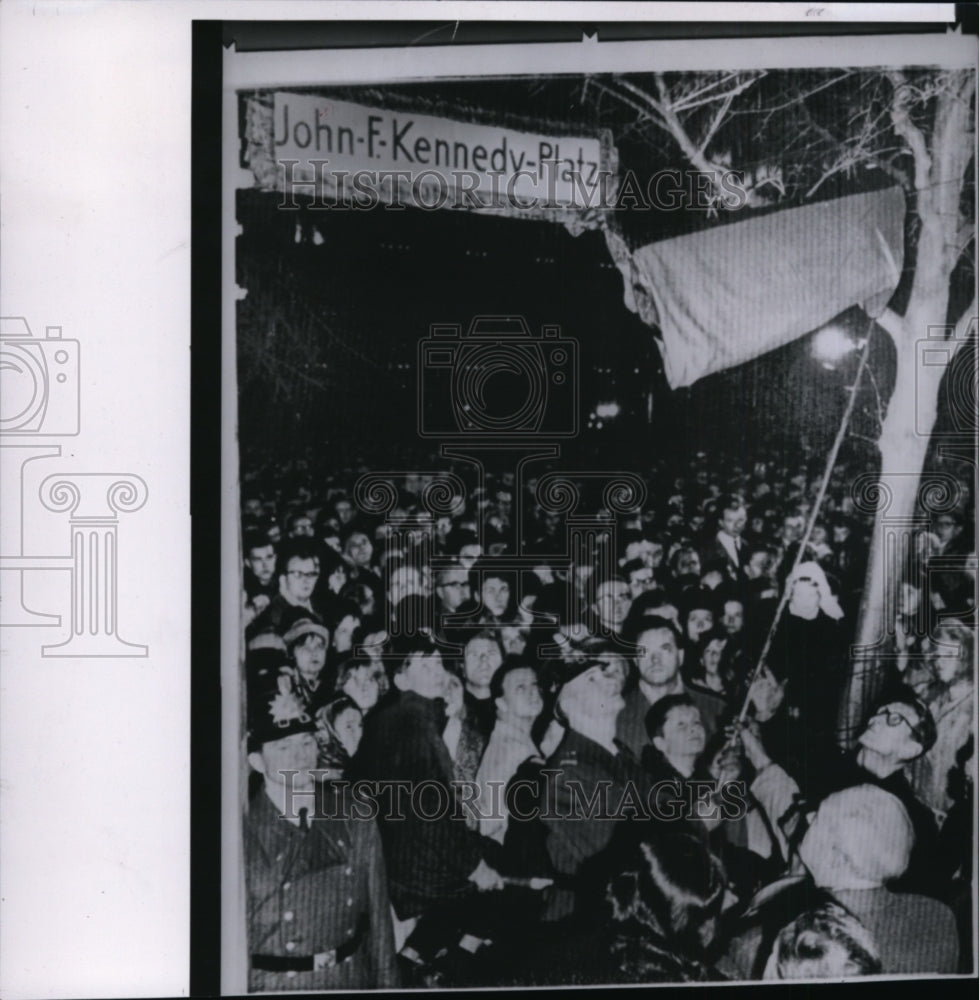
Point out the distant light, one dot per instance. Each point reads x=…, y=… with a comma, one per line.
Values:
x=607, y=410
x=833, y=343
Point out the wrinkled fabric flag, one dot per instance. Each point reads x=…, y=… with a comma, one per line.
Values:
x=734, y=292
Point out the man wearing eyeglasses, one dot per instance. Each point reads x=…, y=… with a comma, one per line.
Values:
x=898, y=732
x=297, y=579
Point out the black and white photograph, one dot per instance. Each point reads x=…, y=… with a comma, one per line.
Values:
x=599, y=567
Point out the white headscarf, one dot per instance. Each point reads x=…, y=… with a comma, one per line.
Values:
x=828, y=604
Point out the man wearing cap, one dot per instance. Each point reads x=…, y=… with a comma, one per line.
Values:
x=307, y=642
x=594, y=777
x=317, y=902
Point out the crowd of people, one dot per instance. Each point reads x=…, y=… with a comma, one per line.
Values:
x=482, y=754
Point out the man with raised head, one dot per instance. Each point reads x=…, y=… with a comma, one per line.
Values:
x=898, y=732
x=432, y=856
x=517, y=698
x=317, y=900
x=596, y=779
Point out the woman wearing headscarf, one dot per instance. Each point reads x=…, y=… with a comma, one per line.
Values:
x=339, y=726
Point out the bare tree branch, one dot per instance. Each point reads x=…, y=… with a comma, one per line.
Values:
x=906, y=128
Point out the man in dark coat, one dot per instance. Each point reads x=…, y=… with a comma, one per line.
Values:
x=317, y=902
x=594, y=780
x=432, y=856
x=900, y=731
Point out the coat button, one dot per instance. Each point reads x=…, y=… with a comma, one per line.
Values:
x=286, y=885
x=290, y=945
x=288, y=915
x=350, y=901
x=350, y=871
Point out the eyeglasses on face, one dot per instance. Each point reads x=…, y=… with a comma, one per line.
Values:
x=894, y=718
x=302, y=574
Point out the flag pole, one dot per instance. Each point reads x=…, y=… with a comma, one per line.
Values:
x=820, y=496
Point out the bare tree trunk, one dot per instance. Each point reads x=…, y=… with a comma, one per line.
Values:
x=913, y=406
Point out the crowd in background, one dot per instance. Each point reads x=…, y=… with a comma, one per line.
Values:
x=766, y=840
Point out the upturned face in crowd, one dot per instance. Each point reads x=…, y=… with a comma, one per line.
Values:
x=343, y=636
x=841, y=532
x=521, y=695
x=659, y=658
x=711, y=657
x=344, y=511
x=757, y=565
x=253, y=508
x=733, y=617
x=688, y=563
x=482, y=659
x=949, y=660
x=359, y=549
x=683, y=733
x=261, y=562
x=454, y=694
x=362, y=687
x=909, y=599
x=495, y=595
x=612, y=602
x=425, y=674
x=947, y=528
x=302, y=527
x=641, y=580
x=733, y=522
x=513, y=639
x=468, y=554
x=349, y=726
x=792, y=529
x=699, y=620
x=818, y=536
x=310, y=656
x=404, y=582
x=596, y=693
x=296, y=753
x=453, y=589
x=889, y=732
x=712, y=579
x=300, y=578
